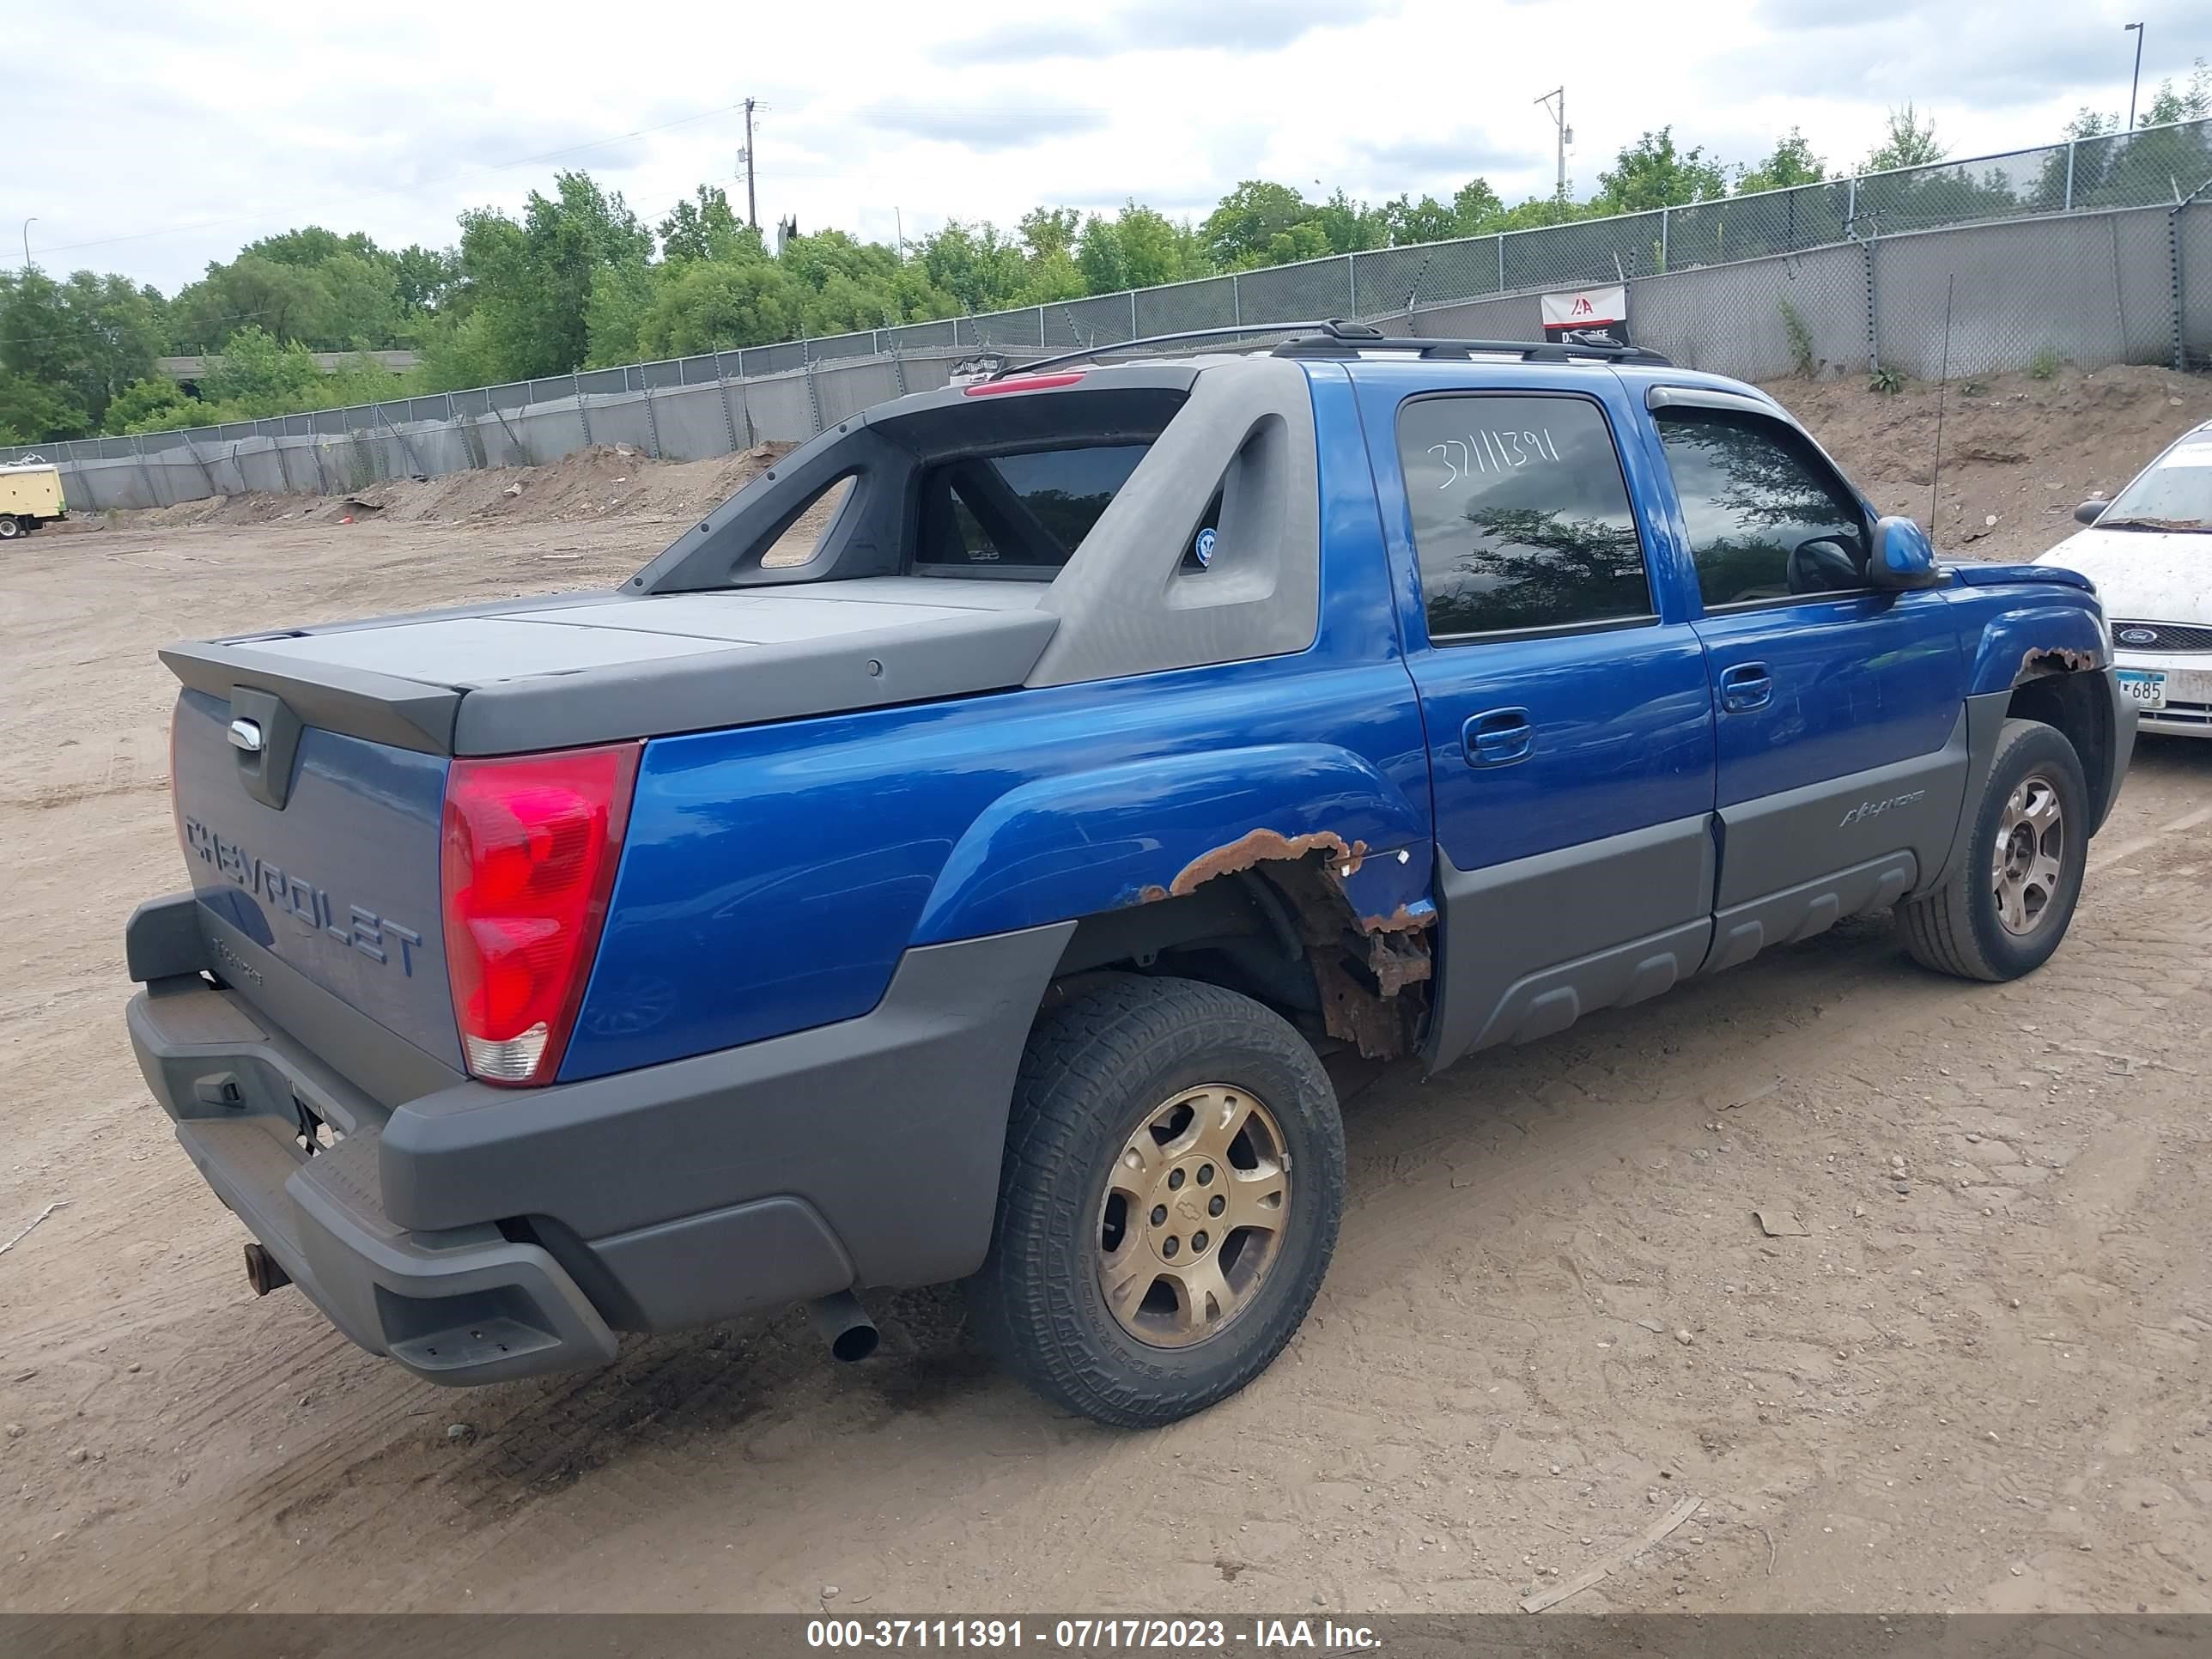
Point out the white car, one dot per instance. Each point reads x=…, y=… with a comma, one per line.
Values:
x=2149, y=551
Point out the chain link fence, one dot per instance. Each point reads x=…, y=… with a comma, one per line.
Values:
x=2190, y=235
x=2091, y=253
x=2083, y=291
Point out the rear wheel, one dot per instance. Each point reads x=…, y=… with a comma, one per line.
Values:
x=1169, y=1203
x=10, y=527
x=2007, y=907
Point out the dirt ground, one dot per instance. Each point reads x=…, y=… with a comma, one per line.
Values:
x=1976, y=1382
x=2018, y=454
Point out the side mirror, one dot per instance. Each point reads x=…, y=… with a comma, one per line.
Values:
x=2090, y=512
x=1903, y=557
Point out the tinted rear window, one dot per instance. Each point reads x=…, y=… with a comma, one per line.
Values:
x=1019, y=513
x=1521, y=516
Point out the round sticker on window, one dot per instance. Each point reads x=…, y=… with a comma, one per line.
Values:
x=1204, y=548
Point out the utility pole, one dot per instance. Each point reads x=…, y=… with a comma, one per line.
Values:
x=2135, y=29
x=752, y=207
x=1566, y=134
x=27, y=223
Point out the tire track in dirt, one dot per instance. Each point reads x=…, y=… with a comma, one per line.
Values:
x=1519, y=1227
x=1889, y=1000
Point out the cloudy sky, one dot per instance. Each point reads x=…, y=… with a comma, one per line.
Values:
x=155, y=137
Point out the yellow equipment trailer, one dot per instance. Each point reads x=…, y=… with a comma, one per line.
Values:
x=30, y=496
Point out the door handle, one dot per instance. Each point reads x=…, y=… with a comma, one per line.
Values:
x=1745, y=686
x=1497, y=737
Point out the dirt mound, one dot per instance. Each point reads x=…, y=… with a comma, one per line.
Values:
x=2018, y=454
x=597, y=483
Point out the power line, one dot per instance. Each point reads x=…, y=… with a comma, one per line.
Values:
x=412, y=184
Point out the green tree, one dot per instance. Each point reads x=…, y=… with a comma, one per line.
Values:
x=146, y=406
x=1350, y=227
x=362, y=297
x=2149, y=165
x=318, y=287
x=614, y=313
x=2192, y=102
x=259, y=372
x=846, y=305
x=703, y=228
x=1907, y=142
x=1048, y=231
x=532, y=281
x=288, y=300
x=1791, y=163
x=978, y=265
x=35, y=411
x=717, y=305
x=1239, y=232
x=1652, y=173
x=1406, y=221
x=1138, y=247
x=457, y=351
x=1304, y=241
x=1052, y=278
x=2074, y=172
x=1540, y=210
x=1476, y=206
x=1474, y=211
x=309, y=246
x=425, y=278
x=84, y=339
x=815, y=259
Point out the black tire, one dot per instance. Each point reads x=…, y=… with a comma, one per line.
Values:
x=1096, y=1071
x=1958, y=929
x=10, y=527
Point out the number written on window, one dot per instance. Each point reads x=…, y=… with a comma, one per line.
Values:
x=1491, y=449
x=1520, y=517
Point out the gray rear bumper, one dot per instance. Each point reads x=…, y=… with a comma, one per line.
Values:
x=476, y=1234
x=465, y=1306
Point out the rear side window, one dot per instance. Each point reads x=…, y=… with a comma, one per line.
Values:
x=806, y=533
x=1767, y=518
x=1521, y=515
x=1019, y=515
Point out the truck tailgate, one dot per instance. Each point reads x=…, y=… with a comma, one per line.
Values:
x=338, y=883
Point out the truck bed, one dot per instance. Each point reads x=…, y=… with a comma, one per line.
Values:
x=599, y=667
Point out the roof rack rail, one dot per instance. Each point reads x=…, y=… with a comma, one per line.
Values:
x=1334, y=337
x=1100, y=350
x=1352, y=340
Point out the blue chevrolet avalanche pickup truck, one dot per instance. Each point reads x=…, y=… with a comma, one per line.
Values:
x=971, y=888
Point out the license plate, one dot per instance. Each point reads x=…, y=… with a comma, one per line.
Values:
x=2143, y=687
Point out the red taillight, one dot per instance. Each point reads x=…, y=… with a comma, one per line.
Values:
x=1022, y=383
x=530, y=848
